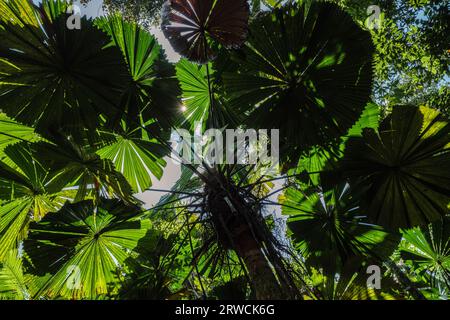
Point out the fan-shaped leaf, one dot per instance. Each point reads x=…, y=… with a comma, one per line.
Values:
x=189, y=24
x=28, y=194
x=329, y=228
x=404, y=167
x=51, y=75
x=305, y=70
x=153, y=91
x=199, y=105
x=427, y=250
x=12, y=280
x=80, y=251
x=136, y=159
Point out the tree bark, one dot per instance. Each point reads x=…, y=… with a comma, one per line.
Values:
x=236, y=224
x=260, y=272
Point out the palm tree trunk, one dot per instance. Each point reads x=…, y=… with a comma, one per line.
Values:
x=236, y=227
x=259, y=269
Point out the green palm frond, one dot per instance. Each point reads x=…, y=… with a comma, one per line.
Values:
x=12, y=280
x=329, y=228
x=27, y=193
x=81, y=251
x=351, y=284
x=12, y=132
x=404, y=167
x=153, y=91
x=203, y=100
x=306, y=70
x=51, y=75
x=137, y=158
x=427, y=251
x=75, y=164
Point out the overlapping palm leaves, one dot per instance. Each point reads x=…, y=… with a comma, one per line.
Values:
x=26, y=194
x=75, y=164
x=329, y=228
x=350, y=283
x=98, y=76
x=152, y=92
x=12, y=132
x=97, y=100
x=426, y=251
x=13, y=285
x=203, y=98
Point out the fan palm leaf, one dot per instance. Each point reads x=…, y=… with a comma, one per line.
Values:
x=12, y=280
x=192, y=25
x=203, y=101
x=137, y=157
x=427, y=251
x=329, y=228
x=80, y=251
x=54, y=76
x=305, y=70
x=404, y=168
x=26, y=194
x=153, y=90
x=12, y=132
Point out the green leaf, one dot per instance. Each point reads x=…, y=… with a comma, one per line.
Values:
x=427, y=251
x=153, y=91
x=194, y=85
x=28, y=194
x=12, y=280
x=80, y=251
x=51, y=75
x=196, y=98
x=136, y=159
x=370, y=118
x=14, y=219
x=404, y=168
x=75, y=164
x=12, y=132
x=306, y=70
x=329, y=229
x=351, y=284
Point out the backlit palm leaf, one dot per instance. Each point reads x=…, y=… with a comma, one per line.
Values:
x=351, y=284
x=200, y=103
x=12, y=280
x=153, y=91
x=427, y=250
x=12, y=132
x=75, y=164
x=80, y=251
x=137, y=157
